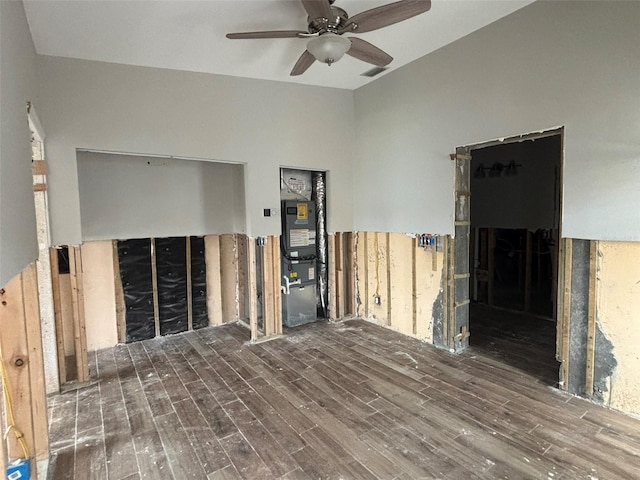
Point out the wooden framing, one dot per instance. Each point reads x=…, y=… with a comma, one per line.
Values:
x=189, y=287
x=38, y=167
x=22, y=356
x=333, y=288
x=564, y=321
x=214, y=279
x=252, y=288
x=271, y=295
x=121, y=309
x=57, y=309
x=592, y=317
x=154, y=284
x=77, y=299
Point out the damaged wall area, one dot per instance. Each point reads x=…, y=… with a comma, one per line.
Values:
x=618, y=319
x=405, y=277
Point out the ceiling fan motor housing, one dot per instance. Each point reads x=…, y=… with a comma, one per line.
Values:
x=323, y=25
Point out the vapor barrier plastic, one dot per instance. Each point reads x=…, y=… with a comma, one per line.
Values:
x=198, y=283
x=134, y=257
x=171, y=268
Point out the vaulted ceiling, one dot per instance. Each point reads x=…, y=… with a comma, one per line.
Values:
x=190, y=35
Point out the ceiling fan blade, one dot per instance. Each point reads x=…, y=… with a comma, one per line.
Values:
x=303, y=63
x=317, y=8
x=369, y=53
x=385, y=15
x=271, y=34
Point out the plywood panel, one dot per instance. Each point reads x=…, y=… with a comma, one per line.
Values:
x=99, y=295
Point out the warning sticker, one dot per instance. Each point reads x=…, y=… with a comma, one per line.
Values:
x=312, y=237
x=299, y=237
x=303, y=211
x=312, y=273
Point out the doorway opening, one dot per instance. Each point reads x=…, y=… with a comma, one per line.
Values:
x=515, y=189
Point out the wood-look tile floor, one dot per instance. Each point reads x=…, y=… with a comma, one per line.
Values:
x=342, y=401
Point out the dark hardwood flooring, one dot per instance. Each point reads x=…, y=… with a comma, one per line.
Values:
x=344, y=401
x=520, y=340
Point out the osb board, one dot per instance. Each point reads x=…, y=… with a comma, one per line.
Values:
x=618, y=304
x=66, y=311
x=99, y=295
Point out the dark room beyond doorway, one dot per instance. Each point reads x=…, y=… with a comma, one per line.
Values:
x=515, y=218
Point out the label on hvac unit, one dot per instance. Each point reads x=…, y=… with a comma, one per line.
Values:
x=299, y=237
x=312, y=273
x=312, y=237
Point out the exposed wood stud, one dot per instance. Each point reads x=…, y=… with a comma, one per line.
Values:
x=57, y=314
x=268, y=299
x=566, y=313
x=154, y=284
x=445, y=292
x=388, y=261
x=414, y=281
x=351, y=272
x=39, y=187
x=367, y=300
x=452, y=302
x=277, y=304
x=189, y=285
x=121, y=309
x=592, y=316
x=77, y=301
x=253, y=291
x=331, y=255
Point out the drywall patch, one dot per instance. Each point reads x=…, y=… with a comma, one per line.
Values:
x=605, y=365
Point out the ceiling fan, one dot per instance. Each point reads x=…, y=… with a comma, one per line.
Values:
x=327, y=24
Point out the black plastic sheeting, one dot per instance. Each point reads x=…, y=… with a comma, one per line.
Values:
x=134, y=257
x=171, y=268
x=198, y=284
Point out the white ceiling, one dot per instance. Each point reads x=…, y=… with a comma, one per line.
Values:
x=190, y=35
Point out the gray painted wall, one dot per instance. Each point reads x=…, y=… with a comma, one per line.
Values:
x=123, y=196
x=572, y=64
x=265, y=125
x=18, y=245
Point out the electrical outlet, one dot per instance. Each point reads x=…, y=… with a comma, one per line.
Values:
x=377, y=300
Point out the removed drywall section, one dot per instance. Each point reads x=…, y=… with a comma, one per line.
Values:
x=99, y=295
x=618, y=307
x=405, y=277
x=124, y=196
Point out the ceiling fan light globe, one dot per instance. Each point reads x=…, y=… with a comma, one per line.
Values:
x=328, y=48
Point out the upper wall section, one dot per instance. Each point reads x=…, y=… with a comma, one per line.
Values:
x=18, y=245
x=265, y=125
x=124, y=196
x=571, y=64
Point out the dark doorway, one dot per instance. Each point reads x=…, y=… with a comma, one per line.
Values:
x=515, y=218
